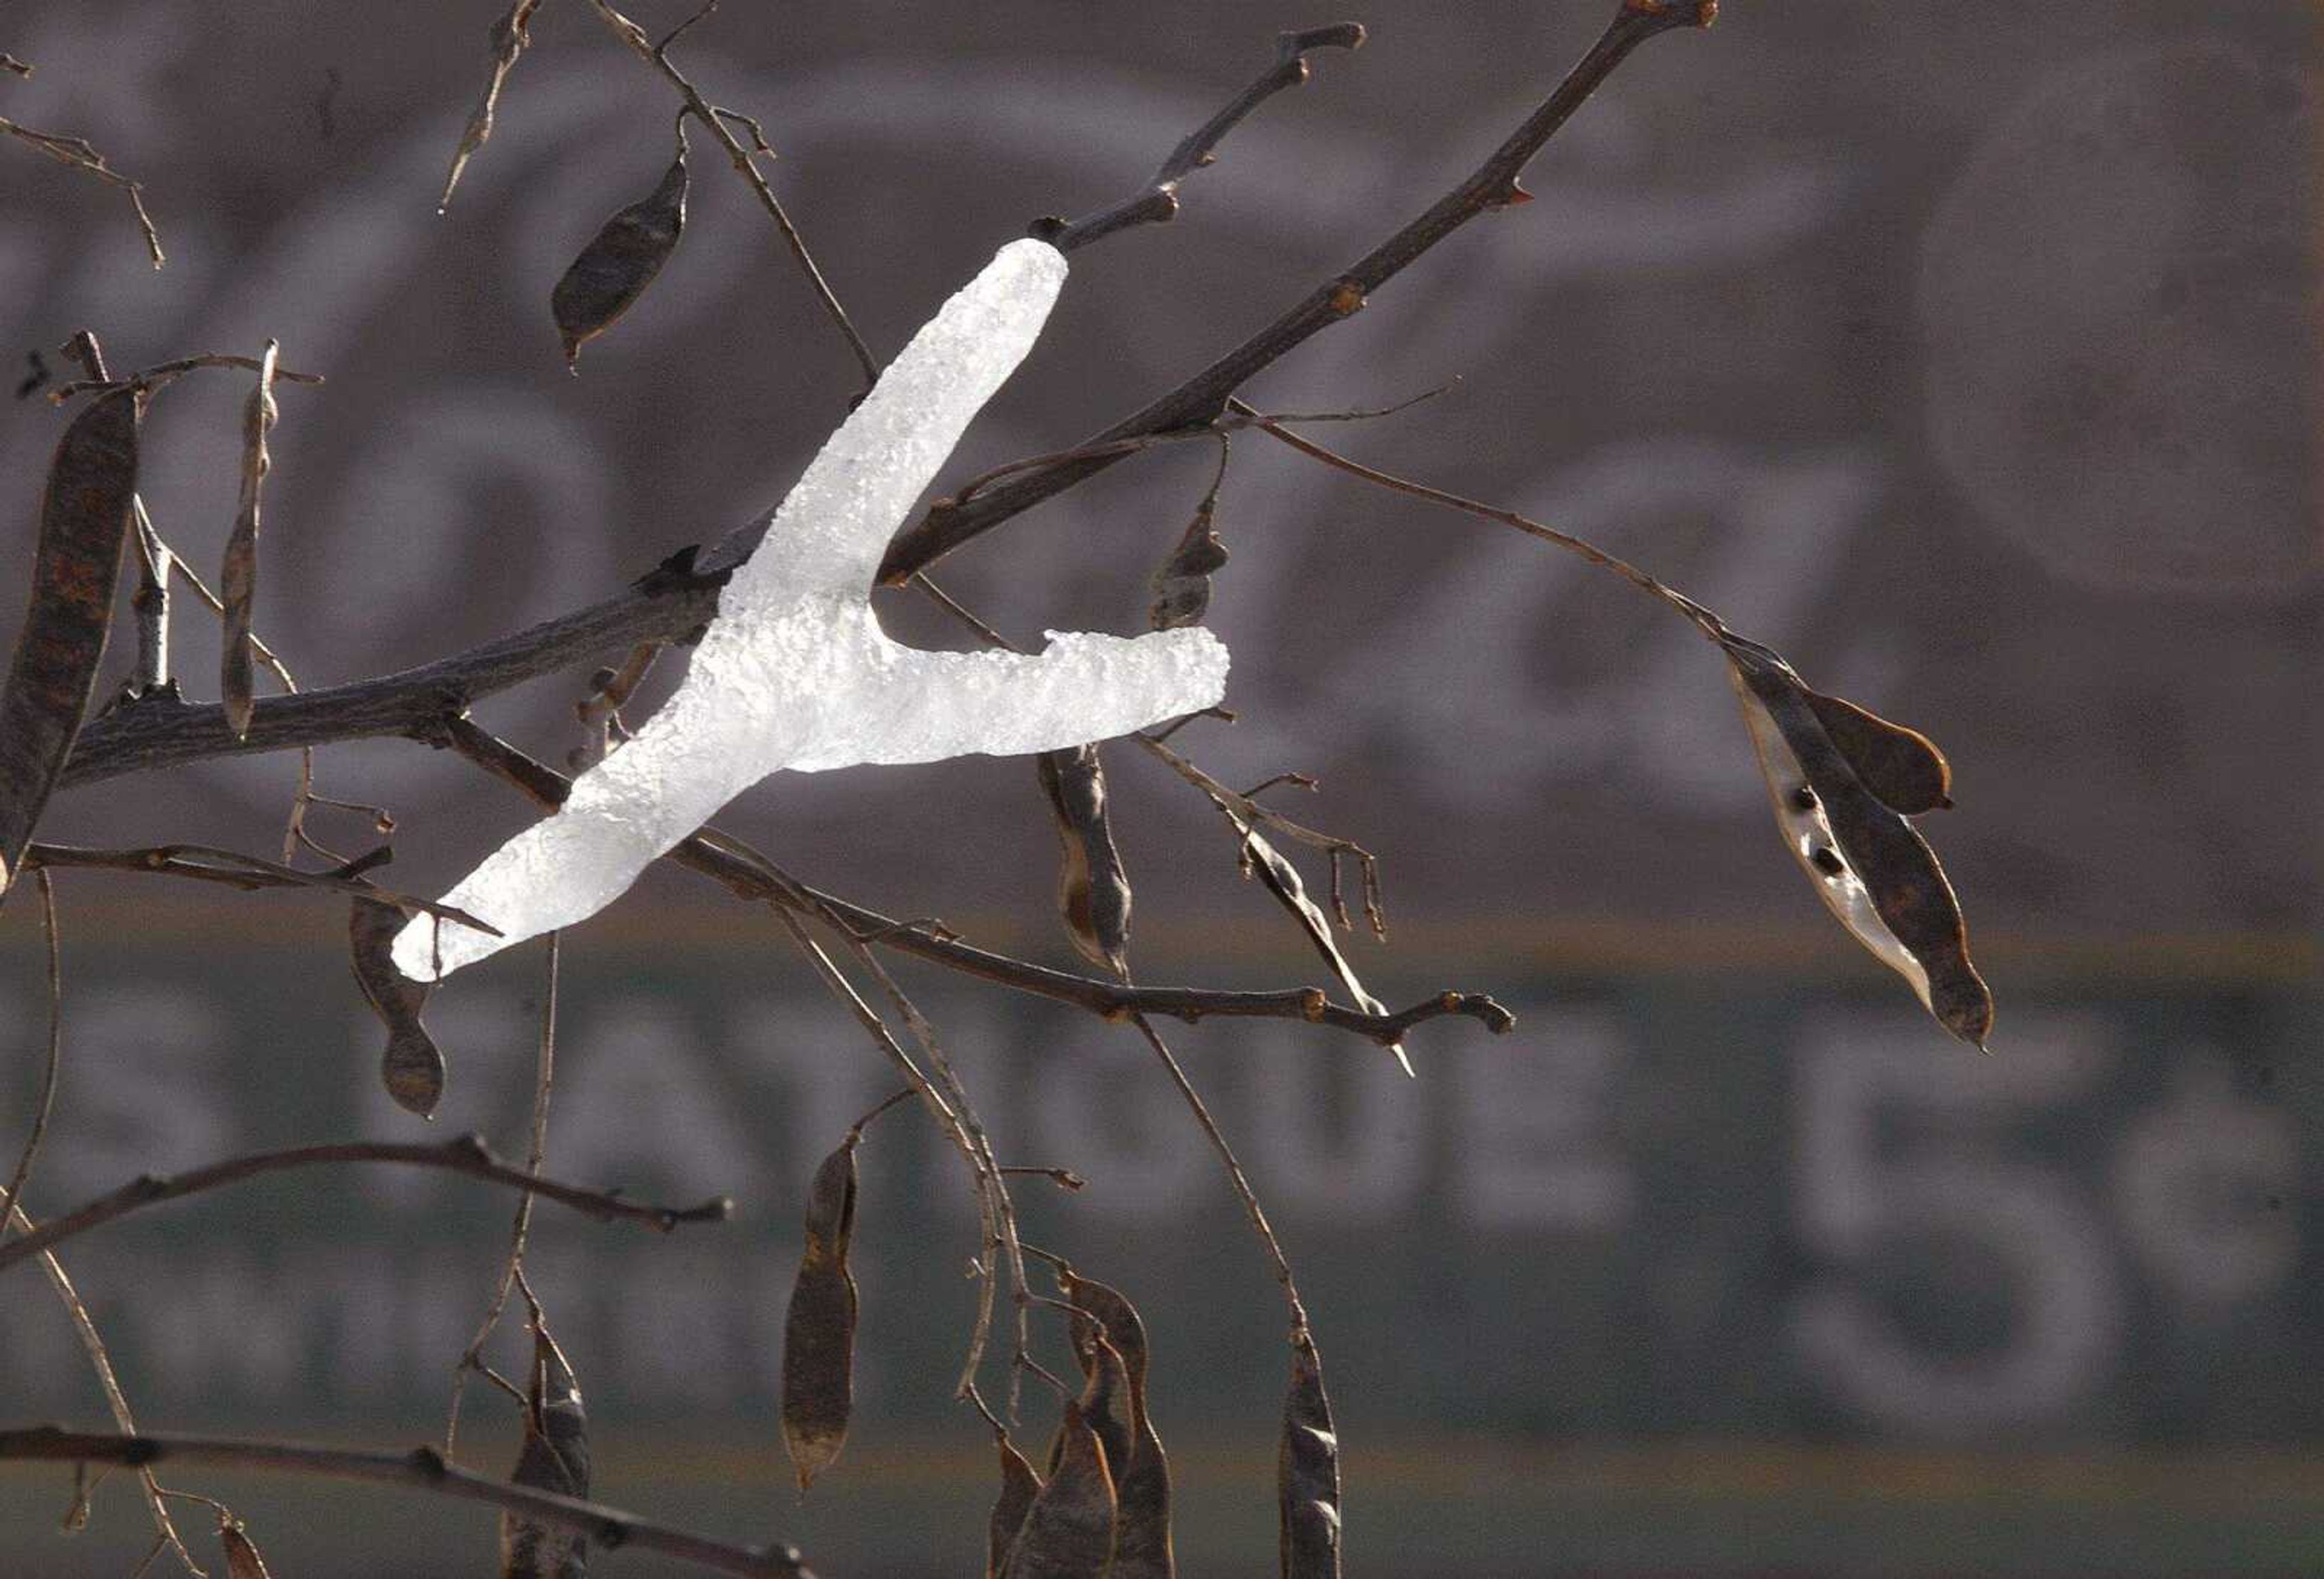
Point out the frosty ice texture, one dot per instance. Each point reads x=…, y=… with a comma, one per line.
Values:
x=794, y=672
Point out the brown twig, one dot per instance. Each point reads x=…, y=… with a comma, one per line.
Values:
x=712, y=856
x=711, y=116
x=162, y=372
x=467, y=1156
x=508, y=37
x=1492, y=185
x=54, y=1059
x=78, y=152
x=1158, y=201
x=422, y=1469
x=203, y=864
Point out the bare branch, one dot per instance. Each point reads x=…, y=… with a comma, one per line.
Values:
x=47, y=1104
x=78, y=152
x=467, y=1156
x=424, y=1470
x=203, y=864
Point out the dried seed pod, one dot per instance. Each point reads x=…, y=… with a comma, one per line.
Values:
x=242, y=1558
x=555, y=1458
x=84, y=522
x=1307, y=1470
x=1282, y=880
x=412, y=1067
x=819, y=1333
x=1182, y=587
x=508, y=37
x=619, y=263
x=1092, y=889
x=1105, y=1399
x=1142, y=1546
x=1873, y=871
x=239, y=581
x=1018, y=1486
x=1068, y=1532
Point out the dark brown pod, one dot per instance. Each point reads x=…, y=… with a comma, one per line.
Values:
x=1307, y=1470
x=412, y=1065
x=1142, y=1543
x=242, y=1558
x=1282, y=881
x=619, y=263
x=85, y=513
x=1092, y=889
x=1182, y=587
x=819, y=1332
x=1870, y=867
x=1068, y=1532
x=1018, y=1486
x=555, y=1458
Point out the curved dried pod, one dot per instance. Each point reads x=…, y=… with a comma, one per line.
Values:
x=1182, y=587
x=1841, y=781
x=1093, y=888
x=1019, y=1485
x=238, y=579
x=611, y=273
x=85, y=514
x=1068, y=1531
x=555, y=1458
x=1307, y=1470
x=412, y=1067
x=242, y=1558
x=1105, y=1399
x=1282, y=880
x=819, y=1332
x=1142, y=1544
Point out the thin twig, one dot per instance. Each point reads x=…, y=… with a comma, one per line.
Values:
x=544, y=1081
x=47, y=1104
x=204, y=863
x=78, y=152
x=1493, y=185
x=467, y=1156
x=162, y=372
x=422, y=1469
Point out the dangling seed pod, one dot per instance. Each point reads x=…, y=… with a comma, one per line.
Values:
x=412, y=1067
x=1142, y=1543
x=1019, y=1485
x=1068, y=1532
x=819, y=1333
x=1092, y=889
x=619, y=263
x=1282, y=881
x=1307, y=1470
x=555, y=1458
x=242, y=1558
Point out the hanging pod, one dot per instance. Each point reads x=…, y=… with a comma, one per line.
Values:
x=555, y=1458
x=412, y=1065
x=1092, y=889
x=1142, y=1543
x=1068, y=1531
x=619, y=263
x=819, y=1332
x=1307, y=1470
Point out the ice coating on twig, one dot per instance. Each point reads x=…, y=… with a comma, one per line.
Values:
x=796, y=673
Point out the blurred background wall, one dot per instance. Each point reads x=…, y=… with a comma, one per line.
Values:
x=1966, y=353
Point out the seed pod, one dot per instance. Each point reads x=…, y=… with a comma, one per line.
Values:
x=1068, y=1532
x=84, y=522
x=1840, y=780
x=1282, y=880
x=1307, y=1470
x=1105, y=1398
x=1142, y=1546
x=508, y=37
x=555, y=1458
x=1018, y=1486
x=412, y=1067
x=619, y=263
x=1182, y=587
x=239, y=581
x=819, y=1333
x=1092, y=889
x=242, y=1558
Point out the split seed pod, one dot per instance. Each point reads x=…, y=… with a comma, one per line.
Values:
x=1142, y=1546
x=1092, y=889
x=1068, y=1532
x=1182, y=587
x=239, y=581
x=619, y=263
x=412, y=1067
x=1282, y=880
x=555, y=1458
x=1307, y=1470
x=242, y=1558
x=85, y=514
x=1842, y=781
x=819, y=1333
x=1019, y=1485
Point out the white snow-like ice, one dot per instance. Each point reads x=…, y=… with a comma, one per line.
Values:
x=794, y=672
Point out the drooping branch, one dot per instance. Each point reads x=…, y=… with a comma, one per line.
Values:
x=708, y=854
x=1492, y=185
x=422, y=1469
x=80, y=153
x=202, y=863
x=467, y=1156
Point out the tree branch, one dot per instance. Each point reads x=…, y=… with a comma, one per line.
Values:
x=467, y=1155
x=423, y=1469
x=1492, y=185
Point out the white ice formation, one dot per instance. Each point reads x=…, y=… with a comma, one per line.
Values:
x=794, y=672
